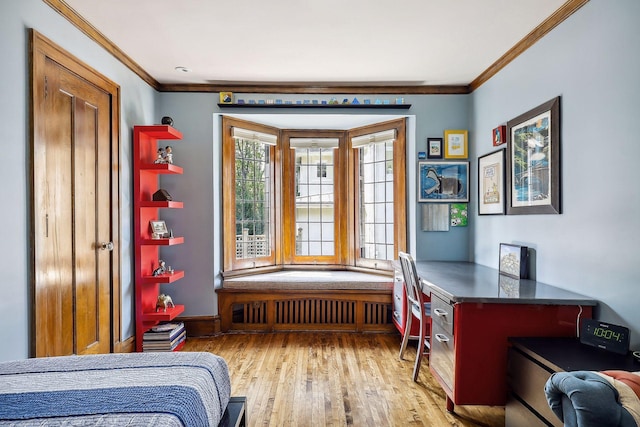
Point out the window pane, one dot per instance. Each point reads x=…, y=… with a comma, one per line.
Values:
x=376, y=201
x=252, y=199
x=315, y=210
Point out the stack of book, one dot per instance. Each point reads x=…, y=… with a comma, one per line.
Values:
x=164, y=337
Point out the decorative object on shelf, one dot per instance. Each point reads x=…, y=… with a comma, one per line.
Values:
x=164, y=155
x=491, y=200
x=166, y=120
x=160, y=156
x=459, y=216
x=158, y=229
x=226, y=97
x=161, y=196
x=499, y=135
x=455, y=144
x=533, y=161
x=164, y=302
x=434, y=148
x=168, y=155
x=513, y=260
x=170, y=270
x=443, y=181
x=161, y=269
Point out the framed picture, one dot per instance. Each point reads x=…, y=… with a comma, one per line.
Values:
x=434, y=148
x=455, y=144
x=499, y=135
x=158, y=229
x=491, y=168
x=458, y=215
x=513, y=260
x=441, y=181
x=226, y=97
x=533, y=161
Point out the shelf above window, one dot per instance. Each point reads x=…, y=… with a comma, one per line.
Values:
x=323, y=106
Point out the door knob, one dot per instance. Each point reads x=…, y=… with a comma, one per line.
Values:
x=106, y=246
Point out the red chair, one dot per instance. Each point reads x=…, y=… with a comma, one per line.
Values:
x=418, y=306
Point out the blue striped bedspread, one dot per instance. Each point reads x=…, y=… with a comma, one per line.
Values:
x=142, y=389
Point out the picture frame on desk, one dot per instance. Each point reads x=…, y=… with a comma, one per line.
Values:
x=533, y=161
x=513, y=260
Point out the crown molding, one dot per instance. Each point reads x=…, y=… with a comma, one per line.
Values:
x=566, y=10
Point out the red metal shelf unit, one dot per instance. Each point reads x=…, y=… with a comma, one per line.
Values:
x=145, y=182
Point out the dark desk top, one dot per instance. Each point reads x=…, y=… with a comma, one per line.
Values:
x=469, y=282
x=568, y=354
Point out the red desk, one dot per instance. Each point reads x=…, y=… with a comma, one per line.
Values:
x=475, y=311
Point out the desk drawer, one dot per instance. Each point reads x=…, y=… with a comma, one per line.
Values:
x=442, y=314
x=442, y=356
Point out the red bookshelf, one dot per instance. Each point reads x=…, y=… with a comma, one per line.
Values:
x=146, y=174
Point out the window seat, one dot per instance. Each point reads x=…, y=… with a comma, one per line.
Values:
x=307, y=300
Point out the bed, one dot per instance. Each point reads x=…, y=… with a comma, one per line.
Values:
x=141, y=389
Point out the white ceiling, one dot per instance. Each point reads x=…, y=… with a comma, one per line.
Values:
x=330, y=42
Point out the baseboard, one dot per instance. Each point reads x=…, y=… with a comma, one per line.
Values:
x=126, y=346
x=201, y=326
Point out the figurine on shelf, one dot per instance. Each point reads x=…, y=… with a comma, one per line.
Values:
x=161, y=156
x=164, y=302
x=168, y=155
x=170, y=270
x=161, y=268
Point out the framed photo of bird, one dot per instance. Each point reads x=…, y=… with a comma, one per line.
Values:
x=533, y=161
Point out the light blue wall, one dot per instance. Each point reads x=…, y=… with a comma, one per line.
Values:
x=592, y=60
x=197, y=116
x=137, y=106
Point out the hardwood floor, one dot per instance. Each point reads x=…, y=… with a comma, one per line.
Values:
x=335, y=379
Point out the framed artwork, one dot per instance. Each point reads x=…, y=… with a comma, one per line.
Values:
x=499, y=135
x=158, y=229
x=459, y=217
x=533, y=161
x=441, y=181
x=434, y=148
x=491, y=169
x=226, y=97
x=455, y=144
x=513, y=260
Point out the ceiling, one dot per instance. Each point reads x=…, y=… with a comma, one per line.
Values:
x=316, y=42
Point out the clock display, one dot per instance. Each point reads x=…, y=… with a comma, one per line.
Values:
x=606, y=336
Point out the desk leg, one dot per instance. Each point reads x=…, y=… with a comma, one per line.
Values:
x=450, y=405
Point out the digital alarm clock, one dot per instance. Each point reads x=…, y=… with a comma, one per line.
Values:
x=606, y=336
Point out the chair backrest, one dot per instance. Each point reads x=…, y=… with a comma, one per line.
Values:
x=411, y=279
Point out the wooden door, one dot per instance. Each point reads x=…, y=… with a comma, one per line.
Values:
x=71, y=212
